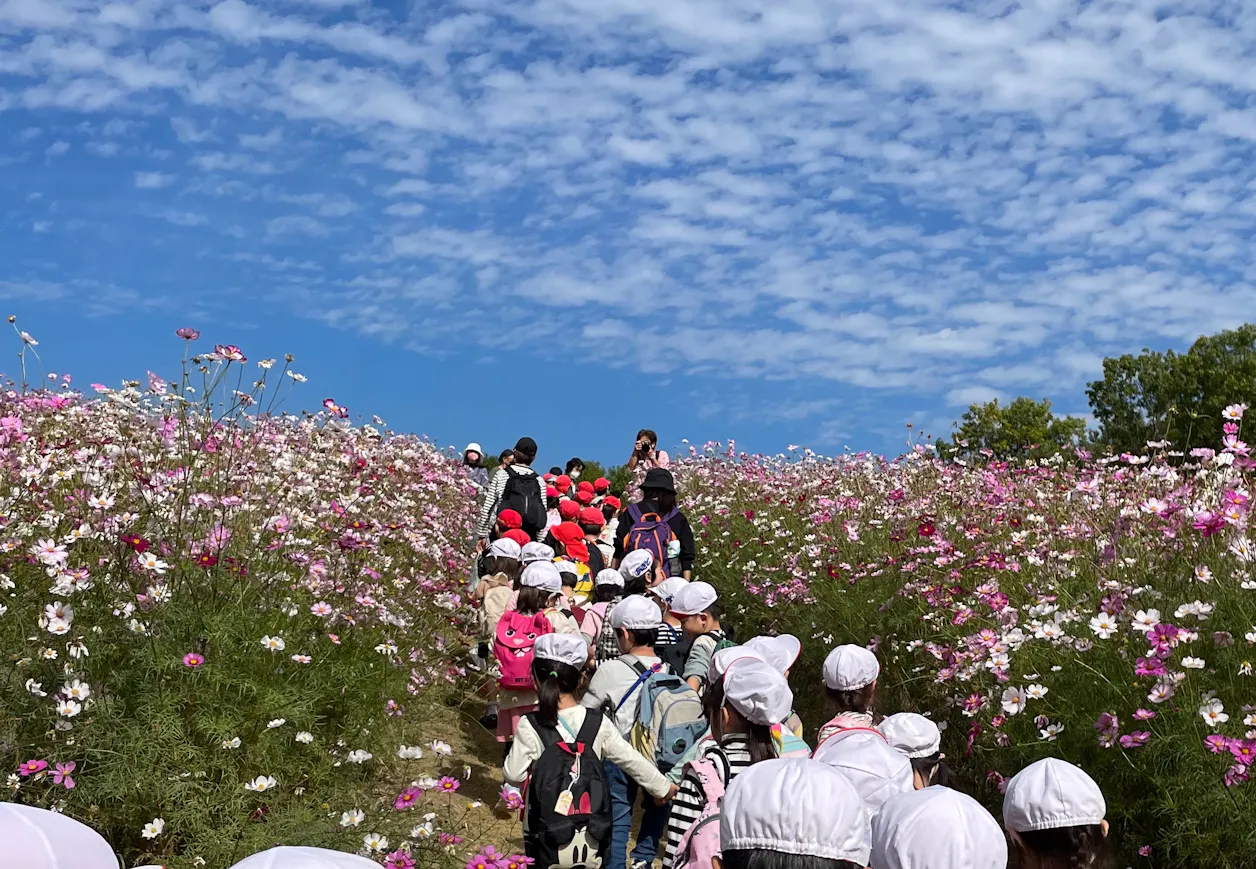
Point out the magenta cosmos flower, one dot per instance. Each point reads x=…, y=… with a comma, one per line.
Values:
x=448, y=784
x=399, y=860
x=407, y=798
x=31, y=767
x=62, y=775
x=193, y=660
x=1136, y=739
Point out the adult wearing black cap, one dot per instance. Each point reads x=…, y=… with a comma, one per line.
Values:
x=517, y=487
x=659, y=496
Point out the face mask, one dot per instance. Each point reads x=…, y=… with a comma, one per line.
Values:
x=575, y=475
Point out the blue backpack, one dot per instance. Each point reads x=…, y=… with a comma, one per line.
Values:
x=669, y=718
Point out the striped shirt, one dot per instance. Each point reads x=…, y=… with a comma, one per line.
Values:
x=730, y=757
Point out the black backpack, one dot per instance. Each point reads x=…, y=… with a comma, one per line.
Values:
x=676, y=655
x=523, y=495
x=569, y=819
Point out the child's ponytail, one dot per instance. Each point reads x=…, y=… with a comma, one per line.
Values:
x=552, y=680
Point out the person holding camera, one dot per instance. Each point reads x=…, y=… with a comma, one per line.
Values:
x=646, y=454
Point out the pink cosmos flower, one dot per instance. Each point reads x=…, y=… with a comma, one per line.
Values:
x=1216, y=743
x=448, y=784
x=31, y=767
x=1144, y=714
x=187, y=334
x=230, y=352
x=1136, y=739
x=449, y=839
x=407, y=798
x=399, y=860
x=62, y=775
x=193, y=660
x=1244, y=750
x=516, y=861
x=512, y=798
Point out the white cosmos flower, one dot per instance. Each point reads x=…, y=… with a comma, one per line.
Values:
x=352, y=818
x=1051, y=731
x=150, y=561
x=409, y=752
x=442, y=748
x=1104, y=625
x=36, y=688
x=302, y=659
x=275, y=644
x=1037, y=692
x=275, y=722
x=69, y=708
x=50, y=552
x=375, y=842
x=304, y=737
x=1013, y=700
x=1193, y=663
x=359, y=756
x=77, y=690
x=233, y=742
x=153, y=828
x=1213, y=713
x=1145, y=620
x=423, y=830
x=261, y=783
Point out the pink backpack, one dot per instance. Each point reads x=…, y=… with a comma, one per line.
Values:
x=701, y=841
x=512, y=647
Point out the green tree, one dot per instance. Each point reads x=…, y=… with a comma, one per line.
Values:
x=1176, y=397
x=1023, y=429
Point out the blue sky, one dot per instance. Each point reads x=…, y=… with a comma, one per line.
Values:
x=800, y=221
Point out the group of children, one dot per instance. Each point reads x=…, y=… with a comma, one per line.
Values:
x=638, y=689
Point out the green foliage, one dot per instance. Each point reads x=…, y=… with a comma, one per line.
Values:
x=592, y=470
x=1177, y=397
x=621, y=479
x=1023, y=429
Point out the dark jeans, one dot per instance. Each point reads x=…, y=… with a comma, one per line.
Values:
x=653, y=820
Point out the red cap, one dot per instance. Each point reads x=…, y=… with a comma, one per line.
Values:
x=601, y=484
x=585, y=486
x=551, y=492
x=613, y=502
x=567, y=510
x=518, y=535
x=592, y=516
x=549, y=478
x=567, y=533
x=563, y=483
x=510, y=518
x=585, y=498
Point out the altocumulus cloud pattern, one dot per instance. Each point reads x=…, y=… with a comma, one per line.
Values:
x=883, y=206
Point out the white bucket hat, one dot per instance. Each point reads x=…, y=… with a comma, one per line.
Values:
x=1049, y=794
x=536, y=552
x=936, y=828
x=543, y=575
x=39, y=839
x=781, y=652
x=849, y=668
x=776, y=806
x=636, y=613
x=504, y=547
x=473, y=447
x=912, y=734
x=565, y=648
x=877, y=771
x=758, y=692
x=609, y=576
x=300, y=857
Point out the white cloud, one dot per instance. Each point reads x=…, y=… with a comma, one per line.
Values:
x=153, y=180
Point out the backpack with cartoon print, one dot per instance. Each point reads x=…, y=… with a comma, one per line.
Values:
x=569, y=798
x=512, y=647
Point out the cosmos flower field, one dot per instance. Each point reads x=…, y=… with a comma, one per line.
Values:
x=224, y=626
x=1102, y=610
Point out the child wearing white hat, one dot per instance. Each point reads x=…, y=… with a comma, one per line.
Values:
x=540, y=587
x=493, y=595
x=697, y=606
x=936, y=828
x=771, y=817
x=670, y=632
x=618, y=686
x=637, y=569
x=557, y=664
x=39, y=839
x=921, y=741
x=850, y=680
x=608, y=586
x=877, y=771
x=782, y=653
x=1055, y=813
x=742, y=707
